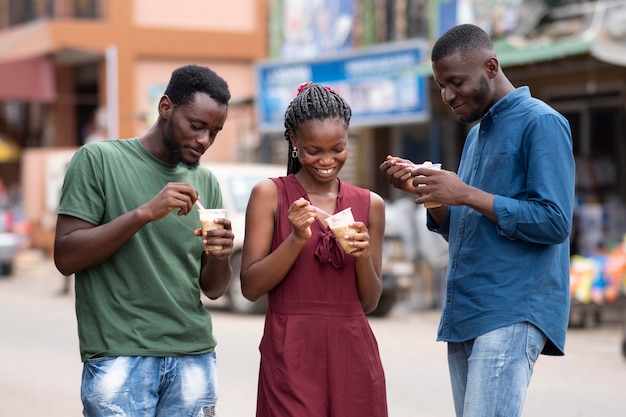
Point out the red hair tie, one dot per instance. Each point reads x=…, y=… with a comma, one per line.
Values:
x=301, y=87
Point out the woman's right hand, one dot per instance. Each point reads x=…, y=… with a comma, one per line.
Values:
x=301, y=215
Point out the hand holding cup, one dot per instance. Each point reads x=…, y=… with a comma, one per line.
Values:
x=341, y=225
x=429, y=165
x=207, y=223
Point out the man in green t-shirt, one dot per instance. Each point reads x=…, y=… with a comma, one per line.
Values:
x=128, y=229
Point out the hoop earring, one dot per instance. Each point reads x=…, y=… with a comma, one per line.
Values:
x=294, y=153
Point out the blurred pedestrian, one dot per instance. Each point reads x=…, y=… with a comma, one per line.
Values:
x=319, y=356
x=507, y=217
x=124, y=229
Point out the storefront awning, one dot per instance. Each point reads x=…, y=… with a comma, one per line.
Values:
x=26, y=69
x=28, y=56
x=610, y=51
x=510, y=55
x=30, y=79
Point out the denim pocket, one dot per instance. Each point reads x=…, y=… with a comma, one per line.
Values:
x=205, y=410
x=535, y=342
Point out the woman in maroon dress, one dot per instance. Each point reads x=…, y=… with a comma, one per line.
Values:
x=319, y=357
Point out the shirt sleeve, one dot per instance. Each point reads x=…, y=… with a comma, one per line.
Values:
x=544, y=214
x=443, y=229
x=82, y=195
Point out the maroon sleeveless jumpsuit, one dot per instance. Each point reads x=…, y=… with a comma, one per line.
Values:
x=319, y=357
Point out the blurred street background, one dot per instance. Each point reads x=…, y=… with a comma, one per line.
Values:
x=77, y=71
x=40, y=368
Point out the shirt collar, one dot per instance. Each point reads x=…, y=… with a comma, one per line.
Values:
x=508, y=101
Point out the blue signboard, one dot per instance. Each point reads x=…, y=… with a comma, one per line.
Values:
x=381, y=84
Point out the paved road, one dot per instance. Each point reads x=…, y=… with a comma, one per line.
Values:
x=40, y=368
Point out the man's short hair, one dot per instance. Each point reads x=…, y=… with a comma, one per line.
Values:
x=188, y=80
x=466, y=39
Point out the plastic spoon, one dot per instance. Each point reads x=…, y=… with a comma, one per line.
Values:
x=404, y=165
x=321, y=214
x=199, y=204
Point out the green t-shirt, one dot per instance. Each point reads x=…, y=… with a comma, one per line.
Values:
x=145, y=299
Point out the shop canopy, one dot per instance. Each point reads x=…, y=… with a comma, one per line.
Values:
x=29, y=79
x=27, y=59
x=26, y=73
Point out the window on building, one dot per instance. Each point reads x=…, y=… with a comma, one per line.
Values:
x=89, y=9
x=22, y=11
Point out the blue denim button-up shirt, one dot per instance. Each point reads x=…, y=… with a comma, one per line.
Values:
x=518, y=268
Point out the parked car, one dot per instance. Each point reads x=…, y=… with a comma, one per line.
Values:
x=237, y=180
x=9, y=246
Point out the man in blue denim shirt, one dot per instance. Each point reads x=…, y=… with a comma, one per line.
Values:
x=507, y=217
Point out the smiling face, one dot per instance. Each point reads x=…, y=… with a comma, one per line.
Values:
x=322, y=147
x=190, y=129
x=464, y=83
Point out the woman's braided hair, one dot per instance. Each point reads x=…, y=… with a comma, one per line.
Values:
x=313, y=102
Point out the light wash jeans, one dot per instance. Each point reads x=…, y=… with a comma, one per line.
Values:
x=490, y=374
x=137, y=386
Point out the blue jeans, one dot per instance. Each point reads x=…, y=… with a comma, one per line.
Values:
x=144, y=386
x=490, y=374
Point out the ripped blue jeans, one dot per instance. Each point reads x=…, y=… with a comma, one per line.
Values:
x=490, y=374
x=143, y=386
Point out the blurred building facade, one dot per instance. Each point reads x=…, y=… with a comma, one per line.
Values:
x=64, y=62
x=73, y=71
x=79, y=70
x=572, y=54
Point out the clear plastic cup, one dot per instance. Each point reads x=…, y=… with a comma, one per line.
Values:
x=430, y=165
x=207, y=222
x=341, y=225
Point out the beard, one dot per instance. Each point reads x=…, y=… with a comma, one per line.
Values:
x=480, y=97
x=177, y=154
x=176, y=151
